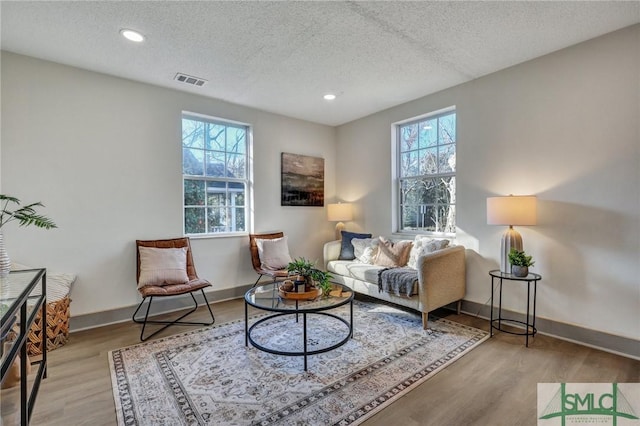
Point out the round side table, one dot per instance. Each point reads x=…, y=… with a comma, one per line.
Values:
x=530, y=320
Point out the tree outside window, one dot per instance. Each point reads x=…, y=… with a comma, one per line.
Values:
x=427, y=174
x=215, y=175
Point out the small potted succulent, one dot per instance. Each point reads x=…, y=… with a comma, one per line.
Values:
x=520, y=262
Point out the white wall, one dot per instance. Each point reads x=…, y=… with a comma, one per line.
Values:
x=564, y=127
x=103, y=154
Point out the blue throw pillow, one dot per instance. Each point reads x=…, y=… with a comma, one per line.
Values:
x=346, y=250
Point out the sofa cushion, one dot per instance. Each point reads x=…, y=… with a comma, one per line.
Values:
x=392, y=254
x=366, y=273
x=346, y=248
x=359, y=271
x=365, y=249
x=423, y=244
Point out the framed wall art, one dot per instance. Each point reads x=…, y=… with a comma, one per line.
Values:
x=302, y=180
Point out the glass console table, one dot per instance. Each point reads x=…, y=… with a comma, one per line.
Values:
x=22, y=295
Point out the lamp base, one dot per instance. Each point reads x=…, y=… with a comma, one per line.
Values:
x=339, y=229
x=510, y=239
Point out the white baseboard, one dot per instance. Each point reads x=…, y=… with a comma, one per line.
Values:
x=618, y=345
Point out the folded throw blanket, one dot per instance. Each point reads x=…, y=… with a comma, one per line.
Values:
x=399, y=281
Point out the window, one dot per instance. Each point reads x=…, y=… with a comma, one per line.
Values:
x=215, y=175
x=426, y=173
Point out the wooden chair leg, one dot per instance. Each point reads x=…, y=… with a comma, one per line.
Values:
x=425, y=316
x=459, y=307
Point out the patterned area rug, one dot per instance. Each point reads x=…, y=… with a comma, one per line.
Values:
x=209, y=377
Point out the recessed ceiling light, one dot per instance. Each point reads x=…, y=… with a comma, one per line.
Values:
x=132, y=35
x=329, y=97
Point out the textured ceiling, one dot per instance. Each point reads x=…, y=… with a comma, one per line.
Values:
x=283, y=56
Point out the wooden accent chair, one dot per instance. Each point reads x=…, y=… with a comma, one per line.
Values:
x=255, y=258
x=163, y=290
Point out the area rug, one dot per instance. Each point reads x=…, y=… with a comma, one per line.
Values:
x=208, y=376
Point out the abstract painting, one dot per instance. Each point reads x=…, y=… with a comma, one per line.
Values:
x=302, y=180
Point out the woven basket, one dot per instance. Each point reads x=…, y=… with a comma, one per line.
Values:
x=57, y=327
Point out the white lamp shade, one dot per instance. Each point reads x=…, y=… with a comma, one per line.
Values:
x=512, y=210
x=339, y=212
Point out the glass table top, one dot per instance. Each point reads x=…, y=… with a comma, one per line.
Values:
x=17, y=282
x=267, y=297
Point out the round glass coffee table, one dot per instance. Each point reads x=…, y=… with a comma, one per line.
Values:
x=266, y=297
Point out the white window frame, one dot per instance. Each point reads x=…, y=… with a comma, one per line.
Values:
x=247, y=180
x=396, y=192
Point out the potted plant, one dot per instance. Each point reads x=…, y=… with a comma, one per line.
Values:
x=302, y=269
x=11, y=210
x=321, y=279
x=520, y=262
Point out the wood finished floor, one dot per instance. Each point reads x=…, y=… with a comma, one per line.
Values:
x=495, y=384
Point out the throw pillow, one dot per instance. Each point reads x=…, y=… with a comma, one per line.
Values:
x=392, y=255
x=346, y=249
x=365, y=249
x=162, y=266
x=273, y=253
x=422, y=245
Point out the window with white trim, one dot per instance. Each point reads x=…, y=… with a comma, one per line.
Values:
x=426, y=174
x=215, y=175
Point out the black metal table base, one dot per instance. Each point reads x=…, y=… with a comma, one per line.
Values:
x=530, y=329
x=530, y=318
x=305, y=352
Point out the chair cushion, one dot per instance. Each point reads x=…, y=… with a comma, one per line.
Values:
x=273, y=253
x=173, y=289
x=162, y=266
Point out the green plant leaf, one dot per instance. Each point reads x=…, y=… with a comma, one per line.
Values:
x=25, y=215
x=520, y=258
x=9, y=199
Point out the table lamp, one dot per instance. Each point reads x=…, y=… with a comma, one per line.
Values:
x=337, y=213
x=511, y=210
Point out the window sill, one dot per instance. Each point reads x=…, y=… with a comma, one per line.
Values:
x=412, y=234
x=219, y=235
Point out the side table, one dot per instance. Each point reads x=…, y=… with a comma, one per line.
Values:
x=530, y=320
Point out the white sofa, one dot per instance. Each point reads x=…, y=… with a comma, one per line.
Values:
x=441, y=278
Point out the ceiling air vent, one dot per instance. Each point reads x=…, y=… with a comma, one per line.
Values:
x=189, y=79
